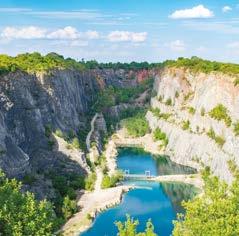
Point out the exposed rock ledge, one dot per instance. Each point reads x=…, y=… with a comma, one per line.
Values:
x=91, y=203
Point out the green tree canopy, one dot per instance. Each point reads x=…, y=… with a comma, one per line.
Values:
x=21, y=214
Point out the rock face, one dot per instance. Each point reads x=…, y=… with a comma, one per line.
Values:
x=60, y=99
x=187, y=96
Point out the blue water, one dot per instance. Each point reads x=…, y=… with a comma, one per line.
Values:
x=155, y=201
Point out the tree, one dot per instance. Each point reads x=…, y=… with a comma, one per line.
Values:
x=129, y=228
x=21, y=214
x=216, y=212
x=69, y=207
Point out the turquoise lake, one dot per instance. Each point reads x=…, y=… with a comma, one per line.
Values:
x=151, y=200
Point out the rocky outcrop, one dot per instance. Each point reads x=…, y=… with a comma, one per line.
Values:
x=31, y=104
x=186, y=96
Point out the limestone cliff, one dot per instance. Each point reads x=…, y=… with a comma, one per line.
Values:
x=33, y=103
x=185, y=100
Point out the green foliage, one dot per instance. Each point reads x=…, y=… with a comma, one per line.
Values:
x=176, y=94
x=196, y=64
x=191, y=110
x=169, y=102
x=157, y=113
x=112, y=96
x=75, y=143
x=236, y=82
x=186, y=125
x=21, y=214
x=59, y=133
x=136, y=126
x=202, y=111
x=90, y=182
x=218, y=139
x=236, y=128
x=187, y=96
x=69, y=207
x=48, y=131
x=160, y=136
x=129, y=228
x=28, y=179
x=111, y=181
x=216, y=212
x=34, y=62
x=220, y=113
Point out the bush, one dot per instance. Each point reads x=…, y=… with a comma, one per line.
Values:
x=236, y=82
x=176, y=94
x=169, y=102
x=29, y=179
x=191, y=110
x=186, y=125
x=111, y=181
x=69, y=207
x=156, y=112
x=220, y=113
x=136, y=126
x=236, y=128
x=218, y=139
x=160, y=136
x=75, y=143
x=90, y=182
x=202, y=111
x=59, y=133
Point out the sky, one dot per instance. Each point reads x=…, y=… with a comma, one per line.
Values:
x=122, y=30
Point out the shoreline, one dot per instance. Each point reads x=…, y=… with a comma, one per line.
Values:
x=93, y=203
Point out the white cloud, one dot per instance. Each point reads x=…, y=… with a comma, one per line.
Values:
x=65, y=33
x=226, y=9
x=193, y=13
x=124, y=36
x=30, y=32
x=177, y=45
x=92, y=34
x=33, y=32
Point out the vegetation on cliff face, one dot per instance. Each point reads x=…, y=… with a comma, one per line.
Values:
x=112, y=96
x=21, y=214
x=197, y=64
x=220, y=112
x=136, y=126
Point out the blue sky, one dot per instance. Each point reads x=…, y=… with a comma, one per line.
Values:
x=122, y=30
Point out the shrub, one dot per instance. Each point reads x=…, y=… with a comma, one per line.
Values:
x=136, y=126
x=111, y=181
x=160, y=98
x=160, y=136
x=75, y=143
x=220, y=113
x=236, y=128
x=69, y=207
x=176, y=94
x=169, y=102
x=218, y=139
x=156, y=112
x=29, y=179
x=236, y=82
x=186, y=125
x=90, y=182
x=191, y=110
x=59, y=133
x=202, y=111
